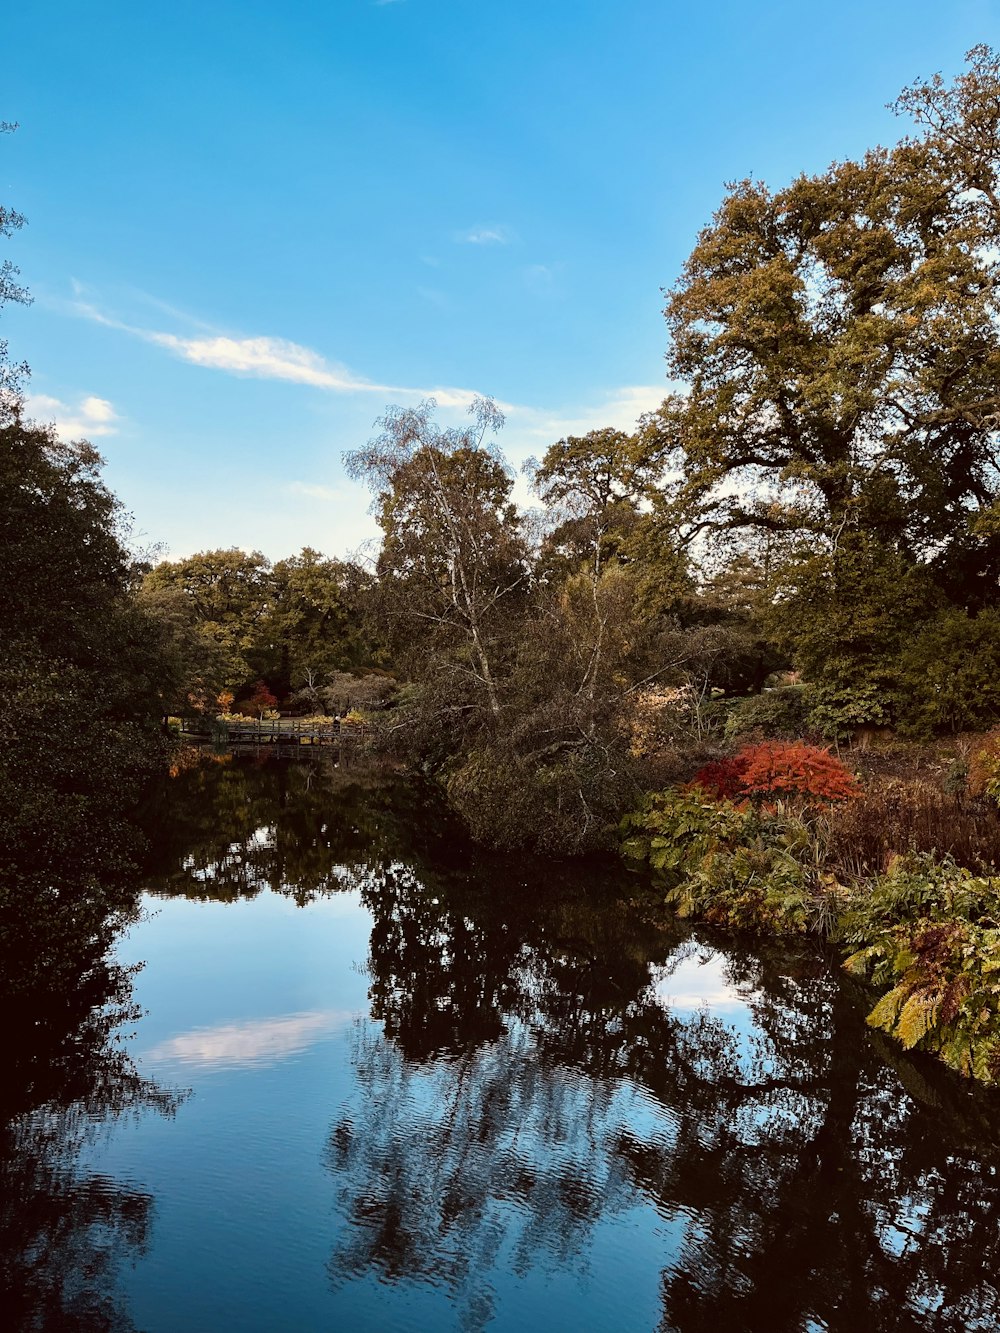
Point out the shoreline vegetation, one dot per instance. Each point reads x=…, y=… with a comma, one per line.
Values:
x=871, y=873
x=794, y=561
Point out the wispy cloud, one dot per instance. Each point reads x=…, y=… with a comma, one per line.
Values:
x=266, y=357
x=89, y=418
x=272, y=358
x=494, y=234
x=539, y=278
x=620, y=408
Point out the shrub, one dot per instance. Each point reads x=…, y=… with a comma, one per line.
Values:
x=731, y=865
x=782, y=770
x=929, y=931
x=836, y=711
x=794, y=769
x=723, y=778
x=566, y=805
x=775, y=714
x=949, y=674
x=675, y=829
x=898, y=817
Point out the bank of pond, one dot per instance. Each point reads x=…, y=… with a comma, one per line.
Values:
x=376, y=1075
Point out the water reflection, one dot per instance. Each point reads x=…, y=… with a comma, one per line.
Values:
x=67, y=1231
x=559, y=1104
x=543, y=1059
x=258, y=1042
x=529, y=1085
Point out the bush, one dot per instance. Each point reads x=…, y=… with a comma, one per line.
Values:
x=723, y=778
x=984, y=767
x=568, y=804
x=782, y=770
x=732, y=865
x=837, y=711
x=949, y=674
x=929, y=931
x=897, y=817
x=776, y=714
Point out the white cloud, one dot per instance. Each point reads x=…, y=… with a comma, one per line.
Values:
x=264, y=358
x=88, y=418
x=619, y=408
x=314, y=492
x=494, y=234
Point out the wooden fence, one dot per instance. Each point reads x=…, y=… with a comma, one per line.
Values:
x=279, y=731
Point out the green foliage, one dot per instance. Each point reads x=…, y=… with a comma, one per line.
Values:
x=779, y=714
x=836, y=340
x=930, y=932
x=452, y=571
x=926, y=932
x=836, y=711
x=949, y=674
x=230, y=618
x=846, y=619
x=732, y=866
x=675, y=829
x=79, y=708
x=562, y=804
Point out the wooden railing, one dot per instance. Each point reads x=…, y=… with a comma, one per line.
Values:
x=277, y=731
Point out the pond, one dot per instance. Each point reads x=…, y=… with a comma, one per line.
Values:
x=369, y=1077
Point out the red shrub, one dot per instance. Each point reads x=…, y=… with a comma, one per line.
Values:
x=723, y=778
x=792, y=768
x=261, y=700
x=779, y=769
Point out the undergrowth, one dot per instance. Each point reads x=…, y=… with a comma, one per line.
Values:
x=869, y=874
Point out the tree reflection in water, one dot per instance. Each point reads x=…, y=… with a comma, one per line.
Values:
x=67, y=1232
x=529, y=1083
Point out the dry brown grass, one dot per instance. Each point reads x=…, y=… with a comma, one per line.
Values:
x=899, y=815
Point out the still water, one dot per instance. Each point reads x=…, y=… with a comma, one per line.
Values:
x=369, y=1078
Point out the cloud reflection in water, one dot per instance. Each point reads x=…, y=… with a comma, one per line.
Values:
x=696, y=980
x=257, y=1042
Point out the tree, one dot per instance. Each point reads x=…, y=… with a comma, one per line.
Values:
x=213, y=604
x=313, y=623
x=594, y=485
x=454, y=560
x=11, y=376
x=261, y=699
x=838, y=341
x=79, y=708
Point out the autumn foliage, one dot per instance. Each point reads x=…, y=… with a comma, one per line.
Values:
x=262, y=700
x=781, y=770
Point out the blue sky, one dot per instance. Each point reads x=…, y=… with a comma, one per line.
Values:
x=253, y=226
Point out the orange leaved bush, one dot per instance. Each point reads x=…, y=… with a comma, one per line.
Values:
x=780, y=770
